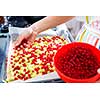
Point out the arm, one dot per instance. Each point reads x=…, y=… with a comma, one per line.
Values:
x=49, y=22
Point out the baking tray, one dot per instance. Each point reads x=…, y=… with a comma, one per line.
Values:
x=51, y=77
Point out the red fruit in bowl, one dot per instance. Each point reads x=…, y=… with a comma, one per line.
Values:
x=78, y=62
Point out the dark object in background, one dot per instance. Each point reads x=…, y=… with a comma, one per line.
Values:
x=23, y=21
x=4, y=29
x=33, y=19
x=4, y=25
x=17, y=21
x=1, y=20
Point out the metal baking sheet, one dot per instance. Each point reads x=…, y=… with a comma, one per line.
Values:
x=44, y=78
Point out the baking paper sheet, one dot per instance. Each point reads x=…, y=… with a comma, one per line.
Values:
x=14, y=33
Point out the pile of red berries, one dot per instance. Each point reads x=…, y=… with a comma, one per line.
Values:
x=37, y=59
x=78, y=61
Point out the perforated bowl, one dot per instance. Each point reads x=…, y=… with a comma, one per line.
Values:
x=64, y=50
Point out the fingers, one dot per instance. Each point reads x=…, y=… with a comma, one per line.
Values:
x=24, y=35
x=18, y=41
x=29, y=36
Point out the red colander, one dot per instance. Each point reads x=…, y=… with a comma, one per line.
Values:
x=65, y=51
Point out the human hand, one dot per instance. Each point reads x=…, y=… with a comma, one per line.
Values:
x=28, y=34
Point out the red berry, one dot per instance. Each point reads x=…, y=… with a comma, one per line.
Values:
x=24, y=65
x=15, y=78
x=27, y=72
x=24, y=70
